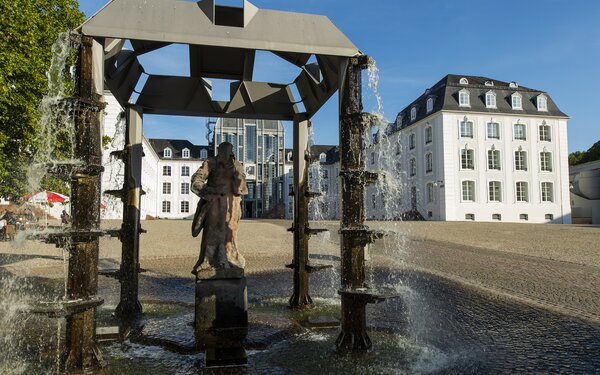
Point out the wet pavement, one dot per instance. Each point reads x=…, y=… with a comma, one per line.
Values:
x=436, y=327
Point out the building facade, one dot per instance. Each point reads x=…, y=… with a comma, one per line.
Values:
x=474, y=148
x=585, y=192
x=260, y=146
x=167, y=167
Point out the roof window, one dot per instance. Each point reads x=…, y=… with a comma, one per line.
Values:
x=463, y=81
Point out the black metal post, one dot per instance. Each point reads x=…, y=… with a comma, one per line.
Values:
x=354, y=234
x=82, y=279
x=300, y=298
x=129, y=305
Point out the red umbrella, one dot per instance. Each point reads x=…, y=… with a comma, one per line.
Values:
x=46, y=197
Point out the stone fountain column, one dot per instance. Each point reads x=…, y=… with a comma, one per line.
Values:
x=82, y=279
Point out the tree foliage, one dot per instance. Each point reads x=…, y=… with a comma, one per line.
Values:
x=580, y=157
x=29, y=28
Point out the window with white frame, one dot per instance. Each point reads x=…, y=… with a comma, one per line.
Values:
x=398, y=147
x=522, y=190
x=464, y=98
x=494, y=160
x=203, y=154
x=185, y=188
x=428, y=134
x=470, y=217
x=166, y=188
x=497, y=217
x=184, y=207
x=549, y=217
x=413, y=166
x=322, y=157
x=495, y=191
x=412, y=141
x=166, y=206
x=468, y=191
x=185, y=171
x=520, y=160
x=466, y=159
x=524, y=217
x=463, y=81
x=520, y=132
x=185, y=153
x=547, y=192
x=325, y=174
x=516, y=101
x=428, y=162
x=545, y=132
x=372, y=158
x=167, y=152
x=430, y=196
x=546, y=161
x=429, y=105
x=466, y=129
x=493, y=130
x=413, y=113
x=166, y=170
x=490, y=99
x=542, y=103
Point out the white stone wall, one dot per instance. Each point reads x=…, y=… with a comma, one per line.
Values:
x=176, y=196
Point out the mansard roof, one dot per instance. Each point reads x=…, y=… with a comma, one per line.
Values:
x=177, y=146
x=445, y=98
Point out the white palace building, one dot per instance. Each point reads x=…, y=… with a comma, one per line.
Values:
x=475, y=148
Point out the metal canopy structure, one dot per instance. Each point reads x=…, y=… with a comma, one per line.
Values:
x=222, y=42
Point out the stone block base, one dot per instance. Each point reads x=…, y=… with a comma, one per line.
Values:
x=221, y=316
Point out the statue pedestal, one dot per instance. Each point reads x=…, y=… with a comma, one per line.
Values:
x=221, y=316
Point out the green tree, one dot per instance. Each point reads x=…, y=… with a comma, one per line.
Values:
x=29, y=28
x=579, y=157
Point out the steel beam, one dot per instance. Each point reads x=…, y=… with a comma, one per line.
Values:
x=129, y=306
x=300, y=298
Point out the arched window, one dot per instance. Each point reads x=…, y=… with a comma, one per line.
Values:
x=322, y=157
x=185, y=153
x=463, y=81
x=490, y=99
x=428, y=134
x=542, y=103
x=516, y=101
x=428, y=162
x=464, y=99
x=489, y=83
x=429, y=105
x=203, y=154
x=413, y=167
x=167, y=152
x=545, y=132
x=413, y=113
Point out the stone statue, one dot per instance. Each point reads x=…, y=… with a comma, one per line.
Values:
x=219, y=182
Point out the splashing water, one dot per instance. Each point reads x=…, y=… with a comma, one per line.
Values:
x=55, y=116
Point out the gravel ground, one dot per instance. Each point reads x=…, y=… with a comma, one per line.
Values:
x=553, y=266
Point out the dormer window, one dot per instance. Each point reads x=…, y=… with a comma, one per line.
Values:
x=463, y=81
x=516, y=101
x=167, y=153
x=185, y=153
x=413, y=113
x=203, y=154
x=429, y=105
x=289, y=156
x=322, y=157
x=513, y=85
x=489, y=83
x=399, y=119
x=463, y=98
x=542, y=103
x=490, y=99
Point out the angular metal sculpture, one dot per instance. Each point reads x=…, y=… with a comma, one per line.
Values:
x=222, y=41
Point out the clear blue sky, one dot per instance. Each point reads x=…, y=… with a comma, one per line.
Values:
x=550, y=45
